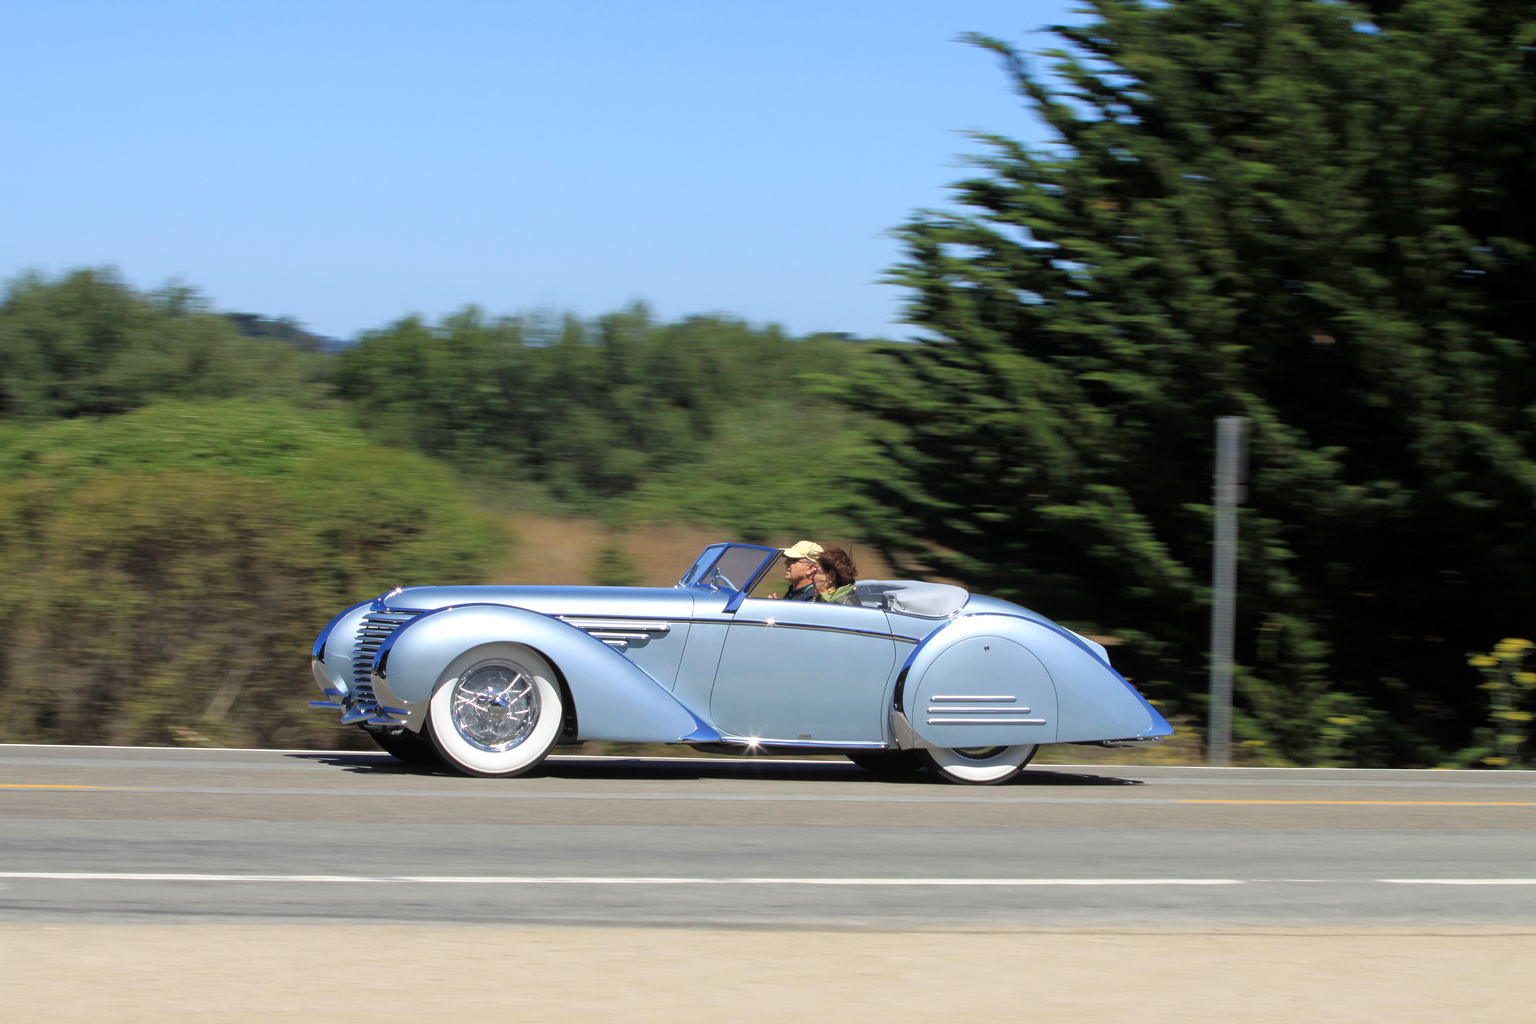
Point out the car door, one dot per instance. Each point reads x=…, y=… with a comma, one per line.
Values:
x=804, y=671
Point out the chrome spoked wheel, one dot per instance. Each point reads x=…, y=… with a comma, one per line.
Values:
x=497, y=715
x=495, y=705
x=979, y=766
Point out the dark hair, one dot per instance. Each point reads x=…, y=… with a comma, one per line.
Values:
x=837, y=563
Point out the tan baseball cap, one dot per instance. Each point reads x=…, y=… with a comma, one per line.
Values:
x=803, y=549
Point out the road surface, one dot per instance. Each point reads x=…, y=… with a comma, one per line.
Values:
x=124, y=834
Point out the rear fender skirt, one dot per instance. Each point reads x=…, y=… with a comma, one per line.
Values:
x=1070, y=693
x=612, y=697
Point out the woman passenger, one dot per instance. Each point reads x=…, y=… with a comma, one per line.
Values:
x=835, y=577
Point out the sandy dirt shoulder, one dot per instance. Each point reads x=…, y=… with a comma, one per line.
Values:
x=346, y=973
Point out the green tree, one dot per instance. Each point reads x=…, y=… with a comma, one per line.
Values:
x=1315, y=215
x=86, y=343
x=707, y=416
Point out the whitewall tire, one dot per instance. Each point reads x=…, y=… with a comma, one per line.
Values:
x=498, y=712
x=985, y=766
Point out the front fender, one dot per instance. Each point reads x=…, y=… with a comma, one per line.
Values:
x=995, y=679
x=331, y=663
x=613, y=698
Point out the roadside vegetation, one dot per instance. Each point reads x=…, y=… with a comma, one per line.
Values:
x=1316, y=216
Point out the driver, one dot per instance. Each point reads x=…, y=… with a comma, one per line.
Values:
x=799, y=569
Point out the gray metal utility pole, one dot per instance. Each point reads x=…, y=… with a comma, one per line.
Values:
x=1231, y=471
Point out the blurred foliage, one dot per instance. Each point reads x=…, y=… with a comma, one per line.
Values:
x=254, y=437
x=86, y=343
x=1510, y=683
x=706, y=418
x=614, y=566
x=169, y=568
x=281, y=328
x=1317, y=216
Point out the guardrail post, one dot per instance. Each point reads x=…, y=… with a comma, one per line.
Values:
x=1231, y=472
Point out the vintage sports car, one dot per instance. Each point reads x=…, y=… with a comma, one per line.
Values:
x=488, y=679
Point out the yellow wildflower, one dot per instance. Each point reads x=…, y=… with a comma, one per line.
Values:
x=1510, y=648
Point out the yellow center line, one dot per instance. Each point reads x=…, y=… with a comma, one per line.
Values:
x=1378, y=803
x=54, y=786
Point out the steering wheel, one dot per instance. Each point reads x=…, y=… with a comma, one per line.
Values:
x=719, y=580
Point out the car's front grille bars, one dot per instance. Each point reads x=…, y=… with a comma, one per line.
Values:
x=374, y=629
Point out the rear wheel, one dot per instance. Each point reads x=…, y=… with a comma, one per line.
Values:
x=499, y=713
x=979, y=766
x=888, y=762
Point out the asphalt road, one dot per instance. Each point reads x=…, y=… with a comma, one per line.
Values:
x=103, y=833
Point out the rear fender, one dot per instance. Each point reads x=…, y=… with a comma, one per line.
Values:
x=1001, y=680
x=613, y=698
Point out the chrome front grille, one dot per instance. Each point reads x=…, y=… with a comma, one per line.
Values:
x=374, y=630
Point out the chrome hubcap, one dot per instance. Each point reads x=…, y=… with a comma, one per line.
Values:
x=495, y=705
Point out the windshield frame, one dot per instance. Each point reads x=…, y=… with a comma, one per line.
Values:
x=704, y=573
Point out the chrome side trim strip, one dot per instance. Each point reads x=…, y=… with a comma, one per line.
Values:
x=816, y=627
x=971, y=709
x=986, y=721
x=957, y=698
x=739, y=741
x=619, y=622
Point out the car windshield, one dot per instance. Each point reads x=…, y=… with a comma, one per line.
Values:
x=727, y=566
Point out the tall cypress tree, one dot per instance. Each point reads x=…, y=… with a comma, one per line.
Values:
x=1317, y=215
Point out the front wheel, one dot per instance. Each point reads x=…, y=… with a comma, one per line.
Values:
x=498, y=714
x=979, y=766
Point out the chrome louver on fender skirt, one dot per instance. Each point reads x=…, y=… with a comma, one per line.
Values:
x=377, y=625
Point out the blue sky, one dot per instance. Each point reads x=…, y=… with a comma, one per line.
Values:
x=346, y=163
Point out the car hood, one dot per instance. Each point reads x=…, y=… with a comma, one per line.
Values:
x=615, y=602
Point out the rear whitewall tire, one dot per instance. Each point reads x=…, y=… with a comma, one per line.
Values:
x=999, y=765
x=466, y=747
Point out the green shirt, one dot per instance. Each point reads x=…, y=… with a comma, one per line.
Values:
x=842, y=595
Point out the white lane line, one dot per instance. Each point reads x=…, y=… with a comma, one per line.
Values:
x=1458, y=881
x=95, y=876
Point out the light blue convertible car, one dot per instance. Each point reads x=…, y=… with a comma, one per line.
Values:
x=488, y=679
